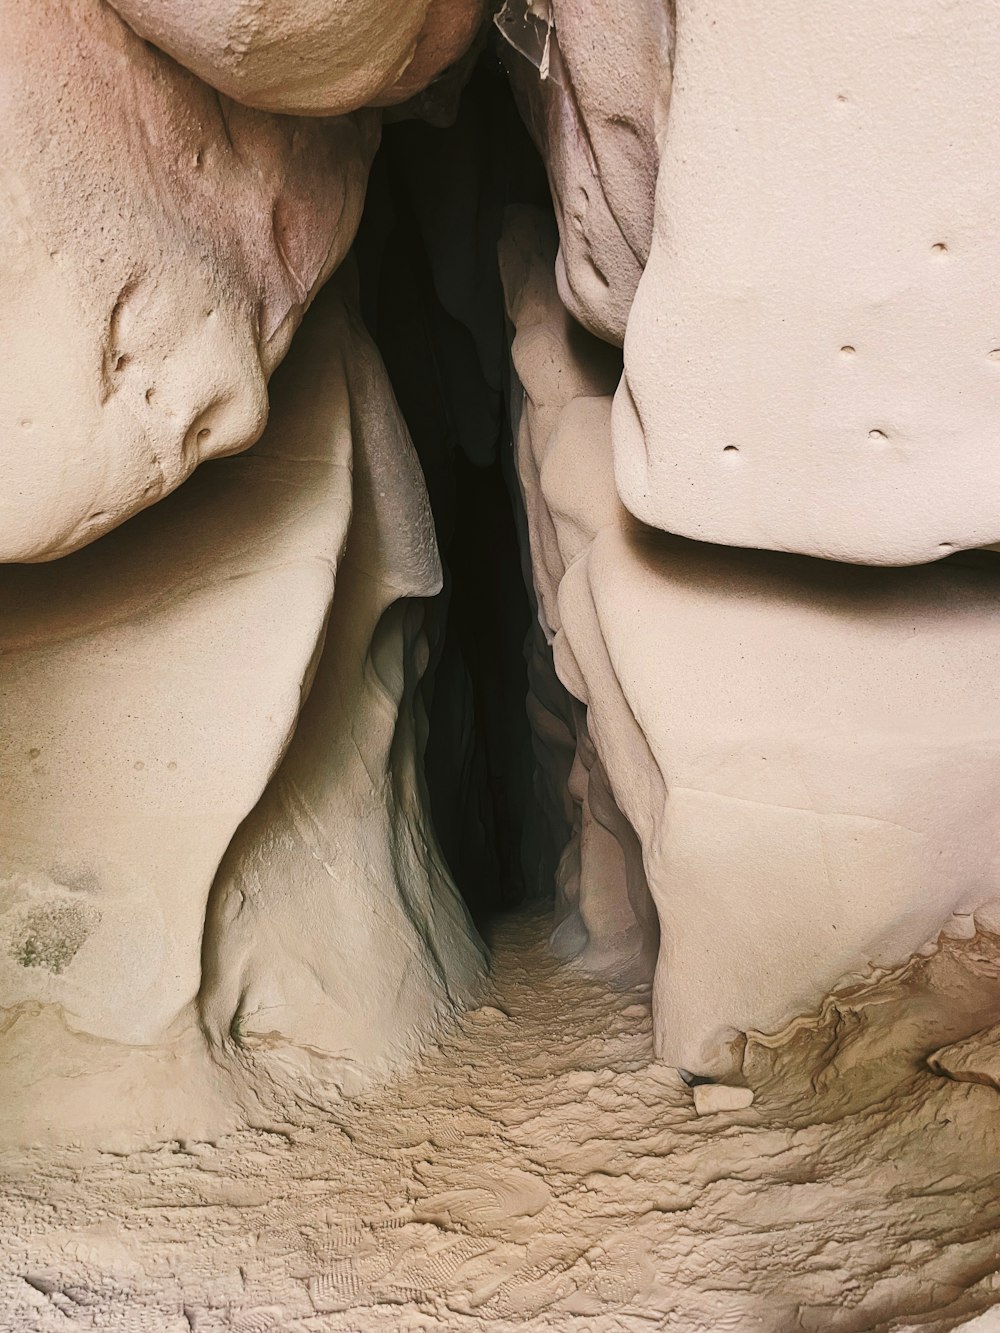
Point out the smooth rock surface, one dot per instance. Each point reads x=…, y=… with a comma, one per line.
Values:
x=151, y=685
x=592, y=79
x=159, y=246
x=712, y=1098
x=812, y=359
x=310, y=57
x=564, y=378
x=335, y=930
x=812, y=775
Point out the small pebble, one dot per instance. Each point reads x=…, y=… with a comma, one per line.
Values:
x=710, y=1098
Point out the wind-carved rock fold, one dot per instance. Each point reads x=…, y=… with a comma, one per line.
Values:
x=180, y=696
x=562, y=379
x=592, y=81
x=159, y=246
x=310, y=57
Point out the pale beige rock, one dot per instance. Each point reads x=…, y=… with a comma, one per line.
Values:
x=775, y=732
x=151, y=685
x=561, y=410
x=613, y=901
x=159, y=245
x=593, y=82
x=812, y=359
x=221, y=903
x=987, y=1322
x=712, y=1098
x=310, y=57
x=549, y=835
x=563, y=377
x=335, y=932
x=781, y=734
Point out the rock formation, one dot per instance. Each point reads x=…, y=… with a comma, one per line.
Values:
x=561, y=403
x=160, y=245
x=213, y=804
x=310, y=57
x=605, y=542
x=819, y=286
x=774, y=732
x=597, y=135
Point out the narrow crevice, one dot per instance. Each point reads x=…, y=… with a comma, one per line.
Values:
x=431, y=296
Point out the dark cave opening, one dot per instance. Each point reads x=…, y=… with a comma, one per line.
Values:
x=431, y=296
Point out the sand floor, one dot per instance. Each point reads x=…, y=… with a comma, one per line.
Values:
x=537, y=1172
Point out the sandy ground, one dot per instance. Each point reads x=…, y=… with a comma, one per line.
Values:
x=538, y=1172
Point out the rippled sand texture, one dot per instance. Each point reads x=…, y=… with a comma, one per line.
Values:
x=536, y=1172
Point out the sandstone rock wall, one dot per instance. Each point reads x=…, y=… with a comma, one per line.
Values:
x=811, y=363
x=213, y=810
x=561, y=382
x=159, y=246
x=593, y=83
x=766, y=741
x=310, y=57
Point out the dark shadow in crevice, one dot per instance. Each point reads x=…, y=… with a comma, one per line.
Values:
x=431, y=295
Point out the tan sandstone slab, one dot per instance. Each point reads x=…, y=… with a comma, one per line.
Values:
x=808, y=754
x=813, y=356
x=713, y=1098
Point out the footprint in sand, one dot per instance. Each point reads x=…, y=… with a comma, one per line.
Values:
x=532, y=1293
x=621, y=1269
x=340, y=1287
x=500, y=1204
x=262, y=1319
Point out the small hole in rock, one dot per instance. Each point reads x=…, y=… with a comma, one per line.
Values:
x=847, y=350
x=939, y=248
x=877, y=435
x=203, y=434
x=730, y=449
